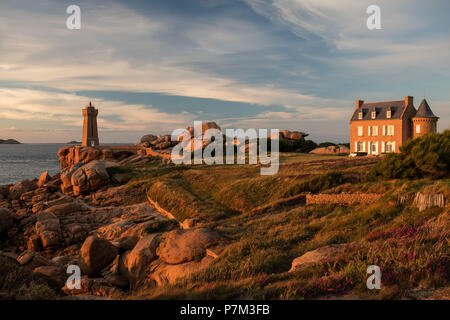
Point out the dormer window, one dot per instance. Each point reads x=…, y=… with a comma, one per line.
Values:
x=374, y=114
x=360, y=115
x=388, y=114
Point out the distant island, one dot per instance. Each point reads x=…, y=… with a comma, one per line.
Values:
x=74, y=142
x=9, y=141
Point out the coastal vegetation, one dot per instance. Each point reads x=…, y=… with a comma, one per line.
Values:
x=426, y=156
x=227, y=232
x=409, y=245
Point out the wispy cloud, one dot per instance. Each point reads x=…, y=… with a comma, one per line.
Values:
x=311, y=59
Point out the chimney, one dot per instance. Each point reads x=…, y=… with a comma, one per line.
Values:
x=409, y=101
x=359, y=103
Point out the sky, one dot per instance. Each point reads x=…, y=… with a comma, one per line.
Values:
x=155, y=66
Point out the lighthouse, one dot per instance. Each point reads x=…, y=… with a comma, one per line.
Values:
x=90, y=132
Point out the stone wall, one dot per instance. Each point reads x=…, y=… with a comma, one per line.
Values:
x=342, y=198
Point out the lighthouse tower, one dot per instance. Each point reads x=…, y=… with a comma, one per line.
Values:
x=424, y=121
x=90, y=132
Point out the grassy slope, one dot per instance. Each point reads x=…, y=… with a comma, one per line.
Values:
x=410, y=247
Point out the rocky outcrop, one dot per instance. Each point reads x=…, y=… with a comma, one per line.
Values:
x=70, y=156
x=157, y=142
x=163, y=273
x=54, y=274
x=90, y=177
x=97, y=253
x=198, y=135
x=136, y=262
x=292, y=135
x=4, y=191
x=184, y=245
x=6, y=220
x=48, y=229
x=331, y=150
x=95, y=287
x=66, y=178
x=33, y=259
x=44, y=178
x=316, y=256
x=68, y=207
x=20, y=188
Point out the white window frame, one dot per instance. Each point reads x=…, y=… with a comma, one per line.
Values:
x=375, y=130
x=390, y=130
x=388, y=114
x=417, y=128
x=360, y=115
x=360, y=146
x=360, y=131
x=388, y=147
x=373, y=115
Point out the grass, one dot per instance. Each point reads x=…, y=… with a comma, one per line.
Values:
x=19, y=283
x=265, y=229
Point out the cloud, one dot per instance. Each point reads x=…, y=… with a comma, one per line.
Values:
x=39, y=50
x=404, y=41
x=308, y=58
x=63, y=111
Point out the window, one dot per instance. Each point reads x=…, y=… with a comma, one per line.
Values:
x=374, y=114
x=417, y=128
x=388, y=114
x=360, y=131
x=388, y=147
x=360, y=115
x=373, y=130
x=373, y=147
x=390, y=130
x=360, y=147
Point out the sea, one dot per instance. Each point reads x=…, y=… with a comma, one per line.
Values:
x=27, y=161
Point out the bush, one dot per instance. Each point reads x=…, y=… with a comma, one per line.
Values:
x=303, y=146
x=317, y=183
x=326, y=144
x=426, y=156
x=17, y=282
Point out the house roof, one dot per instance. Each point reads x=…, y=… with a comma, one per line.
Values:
x=396, y=107
x=424, y=111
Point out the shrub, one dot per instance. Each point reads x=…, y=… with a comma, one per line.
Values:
x=19, y=283
x=303, y=146
x=317, y=183
x=426, y=156
x=326, y=144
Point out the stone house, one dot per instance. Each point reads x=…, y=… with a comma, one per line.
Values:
x=382, y=127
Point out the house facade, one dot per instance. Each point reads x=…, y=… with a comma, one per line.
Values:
x=382, y=127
